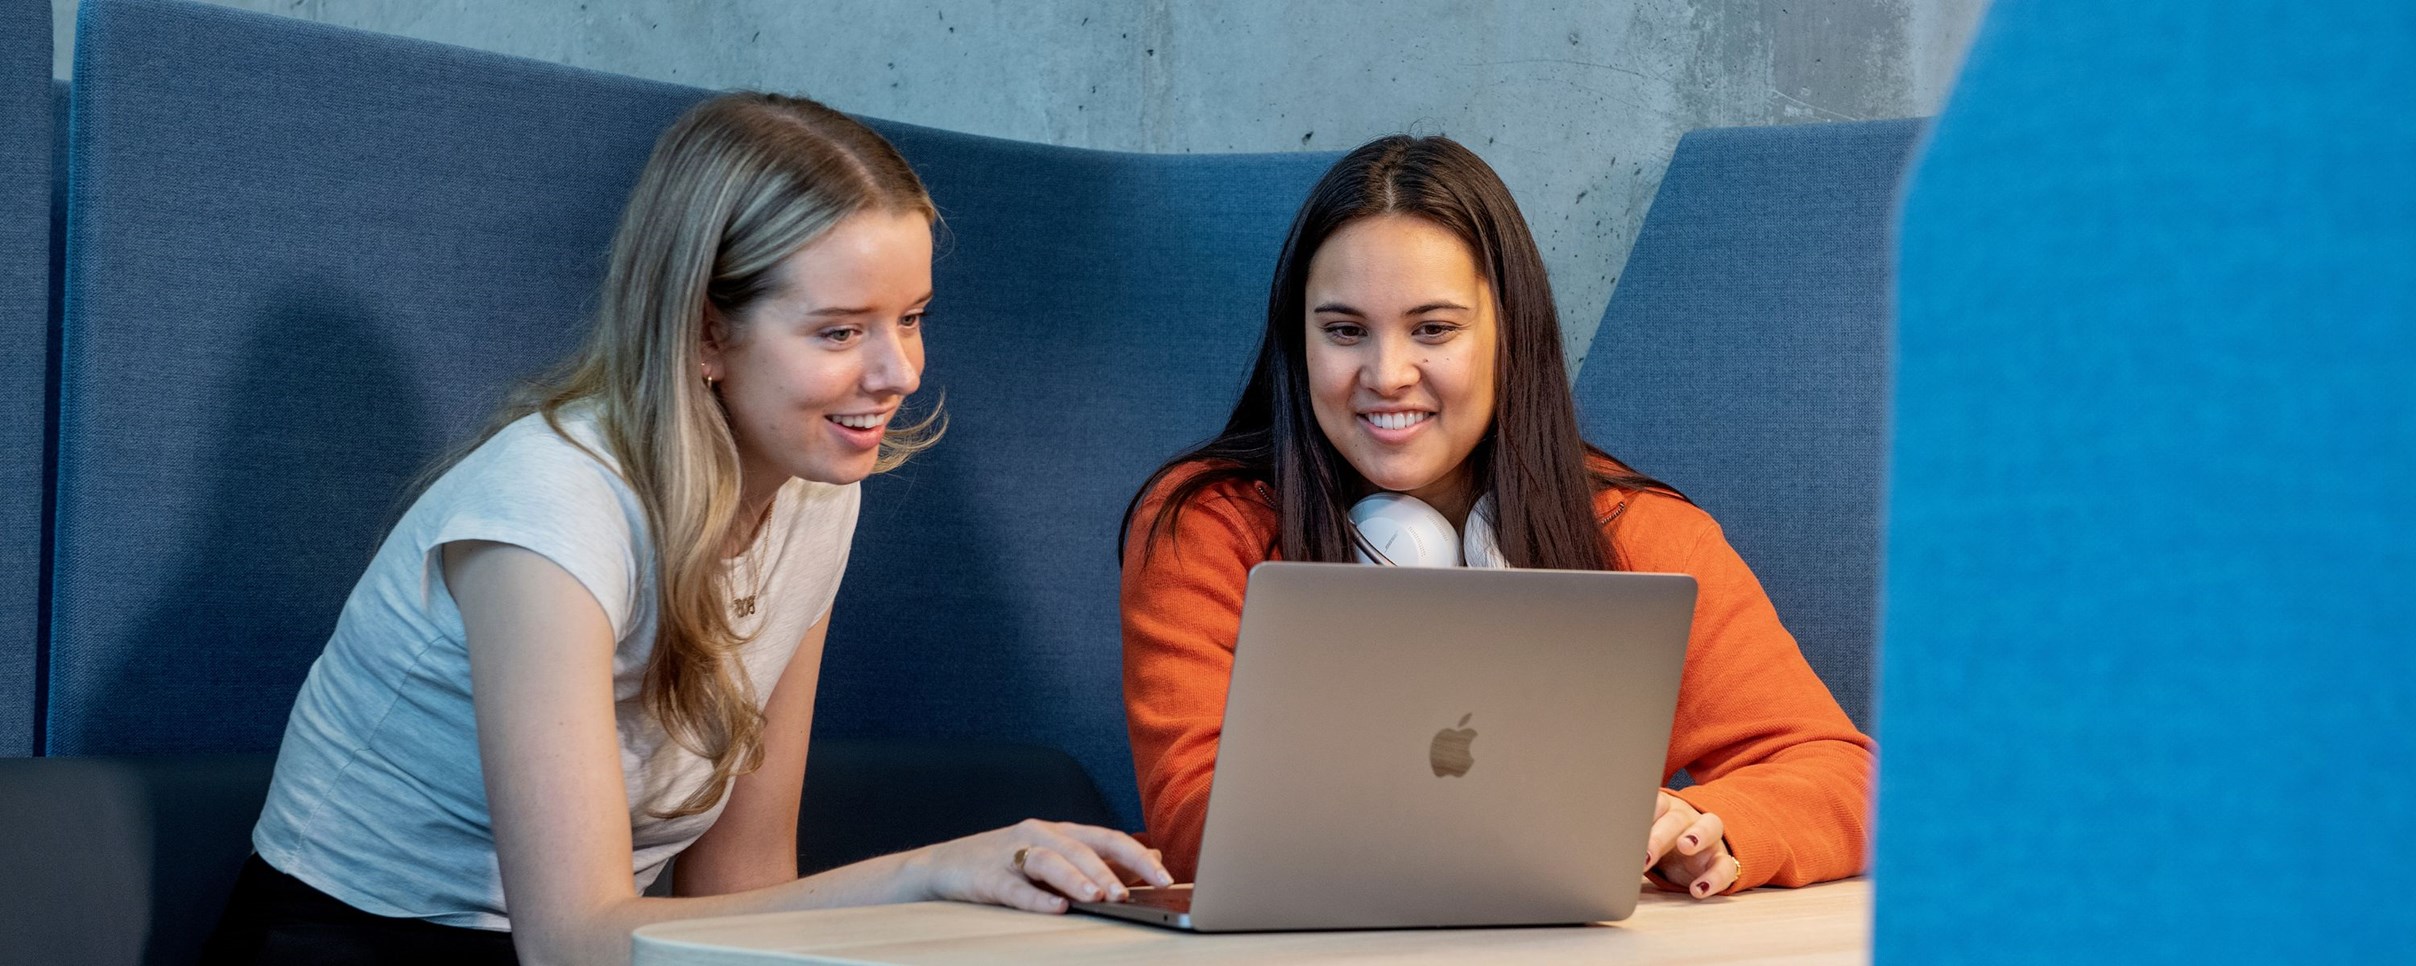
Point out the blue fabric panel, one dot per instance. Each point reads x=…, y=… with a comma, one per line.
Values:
x=2150, y=695
x=303, y=262
x=25, y=327
x=1095, y=315
x=1744, y=360
x=365, y=238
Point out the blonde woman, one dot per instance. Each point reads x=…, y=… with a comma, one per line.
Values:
x=592, y=643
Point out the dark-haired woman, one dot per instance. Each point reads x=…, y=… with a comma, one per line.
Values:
x=1412, y=347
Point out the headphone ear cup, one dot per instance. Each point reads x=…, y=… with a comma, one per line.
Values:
x=1479, y=547
x=1404, y=532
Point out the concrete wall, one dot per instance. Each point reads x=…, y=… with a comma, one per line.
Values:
x=1577, y=105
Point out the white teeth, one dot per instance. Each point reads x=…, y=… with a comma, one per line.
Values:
x=858, y=422
x=1397, y=420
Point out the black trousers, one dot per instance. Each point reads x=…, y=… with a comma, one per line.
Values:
x=274, y=919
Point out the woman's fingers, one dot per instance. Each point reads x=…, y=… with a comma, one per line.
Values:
x=1060, y=861
x=1682, y=870
x=1018, y=891
x=1666, y=829
x=1099, y=881
x=1686, y=846
x=1703, y=834
x=1701, y=859
x=1717, y=879
x=1064, y=873
x=1140, y=863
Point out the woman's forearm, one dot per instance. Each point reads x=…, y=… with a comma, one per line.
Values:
x=603, y=934
x=1801, y=817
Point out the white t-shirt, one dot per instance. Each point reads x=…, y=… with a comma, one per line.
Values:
x=378, y=798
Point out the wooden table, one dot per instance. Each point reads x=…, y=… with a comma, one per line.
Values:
x=1822, y=924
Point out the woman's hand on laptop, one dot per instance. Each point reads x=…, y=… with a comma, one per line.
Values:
x=1021, y=864
x=1687, y=849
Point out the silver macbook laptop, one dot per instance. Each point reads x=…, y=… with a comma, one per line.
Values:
x=1434, y=747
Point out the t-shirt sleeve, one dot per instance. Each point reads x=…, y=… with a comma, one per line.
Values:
x=543, y=495
x=1770, y=750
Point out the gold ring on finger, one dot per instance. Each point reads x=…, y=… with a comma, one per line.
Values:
x=1016, y=863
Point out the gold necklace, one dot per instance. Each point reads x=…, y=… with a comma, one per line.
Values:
x=752, y=558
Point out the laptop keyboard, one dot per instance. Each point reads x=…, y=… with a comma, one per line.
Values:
x=1171, y=900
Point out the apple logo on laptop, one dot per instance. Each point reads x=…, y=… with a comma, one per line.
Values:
x=1449, y=753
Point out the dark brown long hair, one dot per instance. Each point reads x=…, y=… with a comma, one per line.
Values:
x=1542, y=474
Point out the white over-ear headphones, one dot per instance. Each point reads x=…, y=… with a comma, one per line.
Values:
x=1401, y=530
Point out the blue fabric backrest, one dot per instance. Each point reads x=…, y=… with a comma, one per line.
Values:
x=2149, y=689
x=1095, y=315
x=25, y=326
x=1744, y=361
x=303, y=262
x=308, y=260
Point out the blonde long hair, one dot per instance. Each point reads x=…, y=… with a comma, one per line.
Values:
x=734, y=187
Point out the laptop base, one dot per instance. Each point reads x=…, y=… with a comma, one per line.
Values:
x=1169, y=907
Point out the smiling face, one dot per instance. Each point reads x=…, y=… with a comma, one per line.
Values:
x=1402, y=334
x=813, y=372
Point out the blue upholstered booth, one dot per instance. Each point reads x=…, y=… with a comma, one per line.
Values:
x=25, y=325
x=2149, y=689
x=27, y=321
x=306, y=260
x=1096, y=314
x=302, y=262
x=1743, y=360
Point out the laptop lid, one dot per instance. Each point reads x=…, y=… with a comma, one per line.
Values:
x=1440, y=746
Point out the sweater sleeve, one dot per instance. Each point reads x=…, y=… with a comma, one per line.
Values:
x=1769, y=749
x=1182, y=609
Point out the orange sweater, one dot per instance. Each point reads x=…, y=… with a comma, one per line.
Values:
x=1769, y=749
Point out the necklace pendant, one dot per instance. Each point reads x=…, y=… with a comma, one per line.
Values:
x=745, y=606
